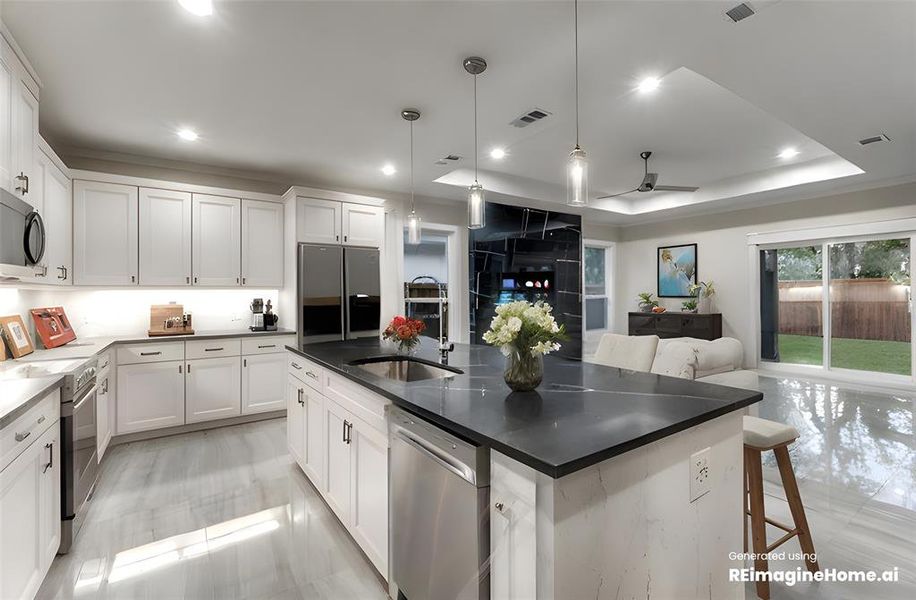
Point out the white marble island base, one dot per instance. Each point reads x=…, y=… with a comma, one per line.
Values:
x=624, y=528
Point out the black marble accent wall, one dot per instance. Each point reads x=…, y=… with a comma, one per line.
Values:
x=527, y=254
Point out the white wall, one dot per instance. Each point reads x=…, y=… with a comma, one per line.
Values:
x=428, y=259
x=95, y=312
x=722, y=254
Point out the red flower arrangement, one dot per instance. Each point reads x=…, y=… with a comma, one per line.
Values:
x=405, y=332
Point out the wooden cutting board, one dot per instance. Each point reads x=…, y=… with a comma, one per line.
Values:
x=159, y=314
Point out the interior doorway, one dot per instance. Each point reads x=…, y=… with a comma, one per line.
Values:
x=431, y=287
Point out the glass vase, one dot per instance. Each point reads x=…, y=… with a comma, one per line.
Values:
x=524, y=370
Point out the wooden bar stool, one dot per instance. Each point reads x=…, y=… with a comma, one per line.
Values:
x=761, y=435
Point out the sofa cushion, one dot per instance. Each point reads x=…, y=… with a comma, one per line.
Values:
x=715, y=356
x=633, y=352
x=676, y=360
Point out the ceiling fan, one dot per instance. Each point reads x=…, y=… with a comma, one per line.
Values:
x=649, y=180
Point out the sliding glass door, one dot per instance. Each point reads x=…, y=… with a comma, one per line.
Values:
x=839, y=305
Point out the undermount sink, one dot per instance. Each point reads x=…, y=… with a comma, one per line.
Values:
x=404, y=368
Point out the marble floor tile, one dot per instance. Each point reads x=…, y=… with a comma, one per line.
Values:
x=855, y=462
x=218, y=515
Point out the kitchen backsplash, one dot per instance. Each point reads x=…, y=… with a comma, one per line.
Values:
x=96, y=312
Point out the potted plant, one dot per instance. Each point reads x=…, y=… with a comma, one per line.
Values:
x=689, y=305
x=524, y=333
x=646, y=302
x=705, y=291
x=404, y=332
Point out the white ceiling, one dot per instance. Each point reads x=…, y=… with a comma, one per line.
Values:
x=309, y=92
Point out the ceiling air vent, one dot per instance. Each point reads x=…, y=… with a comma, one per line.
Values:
x=447, y=159
x=532, y=116
x=873, y=139
x=740, y=12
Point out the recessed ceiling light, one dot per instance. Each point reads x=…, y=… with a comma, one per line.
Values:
x=649, y=84
x=389, y=170
x=497, y=153
x=189, y=135
x=788, y=153
x=201, y=8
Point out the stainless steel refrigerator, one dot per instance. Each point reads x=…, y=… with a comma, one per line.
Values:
x=339, y=293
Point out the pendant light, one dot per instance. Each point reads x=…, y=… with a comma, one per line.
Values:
x=577, y=165
x=413, y=220
x=477, y=204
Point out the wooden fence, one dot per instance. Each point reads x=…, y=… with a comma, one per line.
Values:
x=865, y=309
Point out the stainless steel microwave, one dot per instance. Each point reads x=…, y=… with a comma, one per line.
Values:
x=22, y=232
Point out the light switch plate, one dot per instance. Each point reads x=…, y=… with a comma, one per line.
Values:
x=699, y=474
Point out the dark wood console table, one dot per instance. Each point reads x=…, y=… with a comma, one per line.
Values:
x=676, y=324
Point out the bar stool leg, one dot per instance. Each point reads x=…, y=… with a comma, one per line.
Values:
x=745, y=505
x=787, y=473
x=754, y=466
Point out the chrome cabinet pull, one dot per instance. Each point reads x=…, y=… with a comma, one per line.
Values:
x=24, y=186
x=348, y=431
x=187, y=280
x=150, y=353
x=295, y=366
x=41, y=419
x=244, y=362
x=500, y=506
x=22, y=436
x=133, y=279
x=50, y=447
x=312, y=375
x=344, y=434
x=243, y=280
x=195, y=280
x=213, y=349
x=179, y=369
x=301, y=392
x=268, y=346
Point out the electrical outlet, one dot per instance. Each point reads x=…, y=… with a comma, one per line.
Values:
x=699, y=474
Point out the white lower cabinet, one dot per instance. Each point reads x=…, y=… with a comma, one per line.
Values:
x=263, y=389
x=30, y=515
x=212, y=389
x=150, y=396
x=104, y=410
x=513, y=533
x=314, y=436
x=369, y=491
x=337, y=456
x=295, y=419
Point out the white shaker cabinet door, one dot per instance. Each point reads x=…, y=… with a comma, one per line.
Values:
x=102, y=418
x=314, y=436
x=24, y=114
x=262, y=244
x=337, y=460
x=57, y=213
x=318, y=221
x=295, y=418
x=49, y=531
x=104, y=233
x=212, y=388
x=369, y=496
x=216, y=240
x=363, y=225
x=513, y=534
x=6, y=130
x=165, y=237
x=150, y=396
x=262, y=383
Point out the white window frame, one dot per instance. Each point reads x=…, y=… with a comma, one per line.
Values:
x=825, y=237
x=610, y=254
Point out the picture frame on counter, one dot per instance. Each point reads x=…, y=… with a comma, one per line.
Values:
x=16, y=336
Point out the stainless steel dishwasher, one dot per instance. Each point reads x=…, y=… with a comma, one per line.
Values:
x=440, y=521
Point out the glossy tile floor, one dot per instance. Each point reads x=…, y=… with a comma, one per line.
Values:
x=855, y=462
x=215, y=515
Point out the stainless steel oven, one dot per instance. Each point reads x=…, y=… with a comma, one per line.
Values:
x=79, y=459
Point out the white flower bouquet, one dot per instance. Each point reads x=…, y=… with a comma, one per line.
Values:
x=524, y=333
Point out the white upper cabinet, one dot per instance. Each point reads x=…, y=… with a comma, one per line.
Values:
x=57, y=213
x=216, y=240
x=165, y=237
x=363, y=225
x=330, y=222
x=104, y=233
x=262, y=244
x=7, y=76
x=24, y=114
x=318, y=221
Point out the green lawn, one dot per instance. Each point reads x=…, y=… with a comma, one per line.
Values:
x=863, y=355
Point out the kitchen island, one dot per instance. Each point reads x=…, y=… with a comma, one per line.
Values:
x=590, y=474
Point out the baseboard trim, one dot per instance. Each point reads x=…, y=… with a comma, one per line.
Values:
x=139, y=436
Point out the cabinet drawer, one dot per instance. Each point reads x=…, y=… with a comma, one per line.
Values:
x=105, y=359
x=306, y=371
x=19, y=435
x=267, y=344
x=147, y=353
x=366, y=405
x=212, y=348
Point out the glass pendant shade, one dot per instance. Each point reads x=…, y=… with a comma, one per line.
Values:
x=413, y=228
x=577, y=178
x=477, y=207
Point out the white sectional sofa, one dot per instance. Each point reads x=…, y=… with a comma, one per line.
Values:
x=718, y=361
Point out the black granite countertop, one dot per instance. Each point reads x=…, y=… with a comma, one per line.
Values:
x=581, y=414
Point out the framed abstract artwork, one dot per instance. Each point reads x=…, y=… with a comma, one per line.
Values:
x=677, y=270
